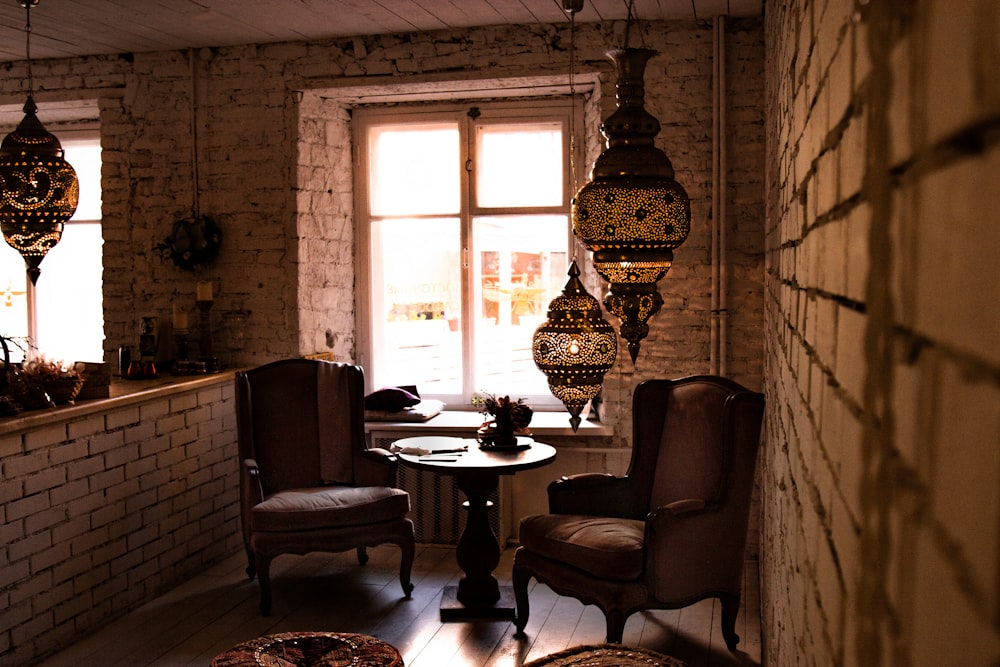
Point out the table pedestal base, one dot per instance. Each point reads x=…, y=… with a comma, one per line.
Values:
x=452, y=609
x=477, y=474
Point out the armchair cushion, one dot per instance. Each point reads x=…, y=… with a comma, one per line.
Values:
x=328, y=507
x=607, y=548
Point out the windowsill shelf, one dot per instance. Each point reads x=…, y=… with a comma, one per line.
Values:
x=122, y=393
x=458, y=422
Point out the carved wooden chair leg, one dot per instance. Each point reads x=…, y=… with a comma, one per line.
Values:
x=362, y=555
x=730, y=609
x=519, y=579
x=615, y=621
x=407, y=552
x=251, y=566
x=264, y=581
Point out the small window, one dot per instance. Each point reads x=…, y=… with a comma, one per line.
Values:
x=465, y=236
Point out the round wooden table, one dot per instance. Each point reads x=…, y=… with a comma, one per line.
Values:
x=477, y=471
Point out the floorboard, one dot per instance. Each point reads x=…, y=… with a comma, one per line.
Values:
x=216, y=610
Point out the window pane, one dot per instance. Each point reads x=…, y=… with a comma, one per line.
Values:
x=416, y=304
x=415, y=171
x=85, y=156
x=521, y=265
x=70, y=315
x=13, y=299
x=520, y=165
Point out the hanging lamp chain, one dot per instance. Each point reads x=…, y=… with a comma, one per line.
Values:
x=571, y=7
x=572, y=102
x=628, y=21
x=28, y=4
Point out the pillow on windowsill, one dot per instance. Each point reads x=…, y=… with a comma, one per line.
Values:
x=392, y=399
x=420, y=412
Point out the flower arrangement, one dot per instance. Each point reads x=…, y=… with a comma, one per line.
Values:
x=39, y=382
x=60, y=381
x=508, y=418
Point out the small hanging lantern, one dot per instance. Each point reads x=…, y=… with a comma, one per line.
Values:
x=575, y=346
x=633, y=213
x=39, y=189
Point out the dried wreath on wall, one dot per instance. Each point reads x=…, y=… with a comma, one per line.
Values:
x=193, y=242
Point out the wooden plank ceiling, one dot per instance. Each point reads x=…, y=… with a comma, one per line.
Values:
x=67, y=28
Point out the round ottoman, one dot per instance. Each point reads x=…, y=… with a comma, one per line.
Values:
x=305, y=649
x=606, y=655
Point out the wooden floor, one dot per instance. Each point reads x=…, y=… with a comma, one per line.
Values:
x=218, y=609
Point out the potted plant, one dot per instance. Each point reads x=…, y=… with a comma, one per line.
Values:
x=509, y=418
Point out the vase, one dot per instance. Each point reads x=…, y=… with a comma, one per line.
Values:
x=491, y=436
x=504, y=438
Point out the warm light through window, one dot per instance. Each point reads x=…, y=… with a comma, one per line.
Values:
x=68, y=301
x=520, y=165
x=415, y=171
x=468, y=231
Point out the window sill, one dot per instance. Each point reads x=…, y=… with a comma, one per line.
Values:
x=457, y=422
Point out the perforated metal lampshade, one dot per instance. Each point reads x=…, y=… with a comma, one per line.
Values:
x=39, y=190
x=632, y=214
x=575, y=346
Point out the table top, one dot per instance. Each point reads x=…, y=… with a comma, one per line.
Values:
x=449, y=455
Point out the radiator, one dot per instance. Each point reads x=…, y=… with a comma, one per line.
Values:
x=436, y=503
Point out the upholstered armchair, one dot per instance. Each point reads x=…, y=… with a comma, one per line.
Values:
x=308, y=482
x=672, y=530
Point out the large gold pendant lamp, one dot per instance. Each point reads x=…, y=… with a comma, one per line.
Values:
x=633, y=213
x=39, y=189
x=575, y=346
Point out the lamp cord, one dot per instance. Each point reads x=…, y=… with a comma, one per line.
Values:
x=572, y=110
x=628, y=21
x=572, y=102
x=27, y=45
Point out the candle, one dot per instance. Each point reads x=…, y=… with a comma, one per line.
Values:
x=204, y=291
x=180, y=318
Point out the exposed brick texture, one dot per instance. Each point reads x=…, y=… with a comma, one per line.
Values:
x=94, y=520
x=882, y=369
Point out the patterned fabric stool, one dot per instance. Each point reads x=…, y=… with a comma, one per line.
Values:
x=606, y=655
x=311, y=649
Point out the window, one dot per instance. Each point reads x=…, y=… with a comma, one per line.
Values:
x=464, y=220
x=62, y=316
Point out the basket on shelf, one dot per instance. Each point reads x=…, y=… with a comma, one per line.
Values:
x=37, y=383
x=62, y=390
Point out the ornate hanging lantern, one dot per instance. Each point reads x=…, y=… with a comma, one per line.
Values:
x=633, y=213
x=575, y=346
x=39, y=189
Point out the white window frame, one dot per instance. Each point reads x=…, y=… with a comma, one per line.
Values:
x=548, y=109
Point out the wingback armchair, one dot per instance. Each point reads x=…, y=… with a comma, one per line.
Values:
x=308, y=482
x=672, y=530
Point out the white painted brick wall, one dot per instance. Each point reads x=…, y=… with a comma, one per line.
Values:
x=102, y=512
